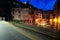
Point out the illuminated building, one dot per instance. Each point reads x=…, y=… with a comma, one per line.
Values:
x=20, y=14
x=50, y=18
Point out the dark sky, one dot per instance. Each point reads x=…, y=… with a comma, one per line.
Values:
x=59, y=4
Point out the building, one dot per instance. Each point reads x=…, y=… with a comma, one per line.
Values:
x=20, y=14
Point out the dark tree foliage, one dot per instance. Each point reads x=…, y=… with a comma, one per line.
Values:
x=5, y=9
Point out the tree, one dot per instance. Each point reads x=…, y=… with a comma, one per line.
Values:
x=5, y=9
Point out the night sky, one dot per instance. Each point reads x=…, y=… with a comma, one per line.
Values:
x=58, y=2
x=41, y=4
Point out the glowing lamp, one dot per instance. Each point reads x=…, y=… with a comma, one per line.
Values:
x=58, y=19
x=55, y=20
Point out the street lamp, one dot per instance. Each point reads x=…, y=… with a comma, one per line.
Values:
x=55, y=20
x=59, y=19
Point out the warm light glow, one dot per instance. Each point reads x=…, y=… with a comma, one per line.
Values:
x=40, y=22
x=58, y=19
x=43, y=23
x=37, y=21
x=55, y=20
x=51, y=21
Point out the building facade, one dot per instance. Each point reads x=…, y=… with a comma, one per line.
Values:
x=20, y=13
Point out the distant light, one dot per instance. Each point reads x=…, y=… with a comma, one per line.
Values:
x=51, y=21
x=37, y=20
x=59, y=19
x=43, y=24
x=25, y=2
x=55, y=20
